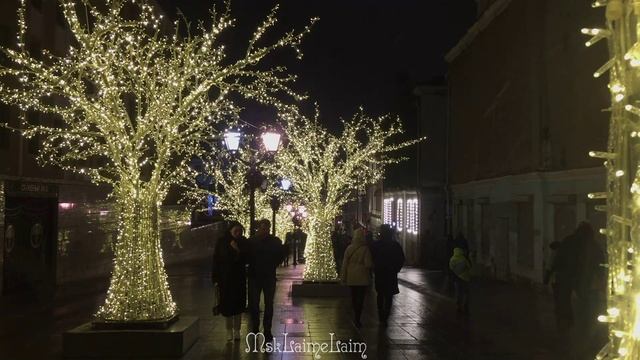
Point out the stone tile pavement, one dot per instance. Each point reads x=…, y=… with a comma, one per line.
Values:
x=424, y=325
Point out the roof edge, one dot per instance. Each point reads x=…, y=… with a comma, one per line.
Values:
x=485, y=19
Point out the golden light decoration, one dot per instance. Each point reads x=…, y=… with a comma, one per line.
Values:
x=229, y=174
x=623, y=178
x=327, y=170
x=130, y=105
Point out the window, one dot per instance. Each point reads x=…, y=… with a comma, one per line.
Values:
x=399, y=214
x=413, y=220
x=526, y=244
x=33, y=144
x=485, y=224
x=5, y=134
x=5, y=41
x=377, y=199
x=60, y=18
x=387, y=216
x=35, y=49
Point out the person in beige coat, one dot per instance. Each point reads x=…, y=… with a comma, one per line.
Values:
x=356, y=272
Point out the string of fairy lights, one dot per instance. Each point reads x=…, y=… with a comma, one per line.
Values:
x=623, y=178
x=231, y=190
x=327, y=171
x=136, y=105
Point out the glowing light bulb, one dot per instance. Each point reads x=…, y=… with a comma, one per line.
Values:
x=271, y=141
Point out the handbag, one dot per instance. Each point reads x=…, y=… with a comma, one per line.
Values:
x=216, y=300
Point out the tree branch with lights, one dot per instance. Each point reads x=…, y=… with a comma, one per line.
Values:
x=229, y=173
x=138, y=104
x=327, y=170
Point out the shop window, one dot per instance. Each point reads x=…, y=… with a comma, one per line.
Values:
x=5, y=134
x=33, y=144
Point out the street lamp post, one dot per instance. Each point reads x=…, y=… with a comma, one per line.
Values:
x=359, y=212
x=254, y=180
x=271, y=143
x=275, y=206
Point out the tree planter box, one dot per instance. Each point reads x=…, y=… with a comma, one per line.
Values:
x=319, y=289
x=86, y=341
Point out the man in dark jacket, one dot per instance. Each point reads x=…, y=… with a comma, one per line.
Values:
x=265, y=254
x=388, y=259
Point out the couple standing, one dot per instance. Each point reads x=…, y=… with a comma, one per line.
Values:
x=263, y=253
x=386, y=258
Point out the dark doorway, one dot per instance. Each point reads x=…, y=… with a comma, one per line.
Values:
x=30, y=245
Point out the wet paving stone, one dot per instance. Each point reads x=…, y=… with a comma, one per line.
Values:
x=422, y=325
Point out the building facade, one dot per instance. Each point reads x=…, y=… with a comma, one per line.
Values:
x=418, y=212
x=431, y=190
x=521, y=88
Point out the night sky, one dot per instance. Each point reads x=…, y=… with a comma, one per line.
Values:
x=360, y=53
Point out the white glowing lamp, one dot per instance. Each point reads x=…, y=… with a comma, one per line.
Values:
x=285, y=184
x=232, y=140
x=271, y=141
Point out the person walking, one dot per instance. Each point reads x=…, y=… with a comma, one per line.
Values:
x=265, y=254
x=301, y=240
x=229, y=275
x=561, y=276
x=388, y=259
x=288, y=239
x=339, y=249
x=590, y=288
x=461, y=268
x=356, y=272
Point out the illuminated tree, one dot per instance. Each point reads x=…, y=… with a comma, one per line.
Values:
x=327, y=169
x=229, y=173
x=230, y=178
x=139, y=104
x=623, y=178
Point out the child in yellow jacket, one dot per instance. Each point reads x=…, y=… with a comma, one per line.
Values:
x=461, y=267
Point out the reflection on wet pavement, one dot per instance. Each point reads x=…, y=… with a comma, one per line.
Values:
x=423, y=325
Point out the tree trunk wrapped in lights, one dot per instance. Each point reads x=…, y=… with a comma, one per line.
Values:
x=139, y=105
x=327, y=170
x=139, y=285
x=623, y=177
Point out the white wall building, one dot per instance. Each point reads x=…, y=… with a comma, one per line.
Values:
x=510, y=221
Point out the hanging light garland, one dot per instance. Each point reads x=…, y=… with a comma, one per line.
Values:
x=136, y=106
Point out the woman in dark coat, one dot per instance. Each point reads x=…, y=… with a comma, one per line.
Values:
x=229, y=273
x=388, y=259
